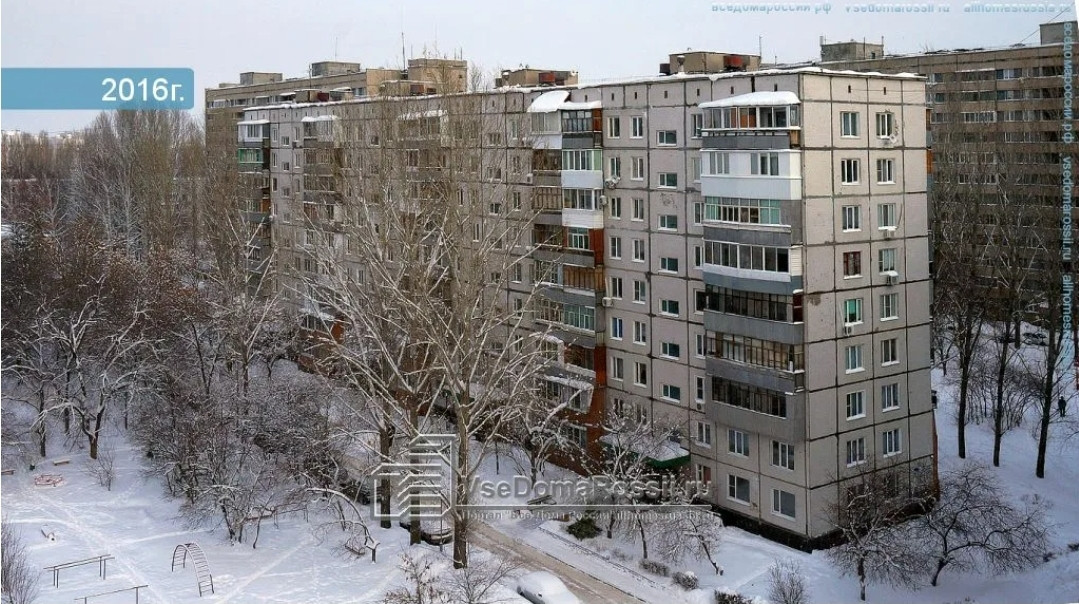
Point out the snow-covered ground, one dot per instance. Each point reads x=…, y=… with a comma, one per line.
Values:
x=303, y=561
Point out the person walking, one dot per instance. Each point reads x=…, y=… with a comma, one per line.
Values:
x=1062, y=406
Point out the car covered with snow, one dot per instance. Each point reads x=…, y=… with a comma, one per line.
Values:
x=542, y=587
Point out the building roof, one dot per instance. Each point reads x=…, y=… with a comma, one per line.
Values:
x=766, y=98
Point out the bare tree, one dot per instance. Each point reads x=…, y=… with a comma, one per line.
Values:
x=868, y=516
x=481, y=582
x=974, y=526
x=18, y=580
x=786, y=583
x=1001, y=396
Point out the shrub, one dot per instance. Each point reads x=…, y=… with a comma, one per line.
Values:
x=686, y=580
x=786, y=583
x=1073, y=547
x=620, y=555
x=656, y=567
x=723, y=597
x=583, y=528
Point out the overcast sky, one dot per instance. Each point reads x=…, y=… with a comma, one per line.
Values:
x=599, y=38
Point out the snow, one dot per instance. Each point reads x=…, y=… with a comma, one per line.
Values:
x=318, y=118
x=765, y=98
x=548, y=101
x=419, y=115
x=253, y=122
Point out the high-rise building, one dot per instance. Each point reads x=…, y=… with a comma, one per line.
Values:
x=744, y=254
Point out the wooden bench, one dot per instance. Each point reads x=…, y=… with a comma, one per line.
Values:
x=541, y=500
x=61, y=462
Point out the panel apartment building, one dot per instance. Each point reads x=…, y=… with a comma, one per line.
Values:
x=744, y=253
x=996, y=121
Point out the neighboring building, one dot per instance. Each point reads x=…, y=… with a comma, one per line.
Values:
x=996, y=121
x=328, y=81
x=536, y=77
x=745, y=254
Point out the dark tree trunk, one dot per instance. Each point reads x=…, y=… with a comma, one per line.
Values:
x=460, y=524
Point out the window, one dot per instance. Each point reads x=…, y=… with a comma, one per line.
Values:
x=673, y=393
x=618, y=368
x=700, y=347
x=614, y=127
x=640, y=291
x=581, y=317
x=738, y=488
x=698, y=256
x=669, y=307
x=889, y=351
x=616, y=247
x=738, y=442
x=718, y=162
x=518, y=273
x=703, y=474
x=885, y=171
x=855, y=405
x=578, y=238
x=615, y=205
x=668, y=264
x=516, y=200
x=668, y=179
x=614, y=167
x=640, y=333
x=886, y=259
x=638, y=208
x=667, y=137
x=852, y=264
x=850, y=172
x=746, y=256
x=852, y=311
x=855, y=451
x=698, y=213
x=782, y=455
x=886, y=215
x=853, y=356
x=704, y=434
x=852, y=218
x=697, y=124
x=889, y=307
x=615, y=288
x=889, y=397
x=699, y=390
x=578, y=435
x=764, y=164
x=782, y=503
x=638, y=168
x=749, y=211
x=893, y=442
x=848, y=123
x=671, y=350
x=638, y=250
x=638, y=127
x=885, y=124
x=616, y=328
x=668, y=221
x=640, y=374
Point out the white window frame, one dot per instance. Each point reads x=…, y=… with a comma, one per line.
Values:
x=640, y=370
x=668, y=180
x=885, y=171
x=617, y=328
x=668, y=218
x=850, y=171
x=854, y=358
x=848, y=124
x=887, y=216
x=855, y=405
x=670, y=350
x=616, y=247
x=889, y=307
x=732, y=489
x=639, y=253
x=640, y=333
x=703, y=434
x=640, y=292
x=672, y=392
x=882, y=265
x=738, y=443
x=850, y=218
x=666, y=306
x=777, y=504
x=638, y=209
x=782, y=455
x=891, y=442
x=889, y=352
x=889, y=397
x=858, y=308
x=637, y=127
x=855, y=454
x=885, y=124
x=666, y=138
x=665, y=264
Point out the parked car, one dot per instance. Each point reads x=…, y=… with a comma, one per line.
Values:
x=1036, y=338
x=542, y=587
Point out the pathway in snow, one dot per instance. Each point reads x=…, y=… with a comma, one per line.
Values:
x=585, y=586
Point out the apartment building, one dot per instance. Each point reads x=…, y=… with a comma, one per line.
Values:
x=327, y=81
x=996, y=120
x=744, y=254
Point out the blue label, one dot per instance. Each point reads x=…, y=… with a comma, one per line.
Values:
x=97, y=88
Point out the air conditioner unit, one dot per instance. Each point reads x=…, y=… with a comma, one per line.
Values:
x=847, y=330
x=607, y=301
x=889, y=141
x=700, y=406
x=889, y=232
x=602, y=201
x=528, y=178
x=611, y=182
x=891, y=279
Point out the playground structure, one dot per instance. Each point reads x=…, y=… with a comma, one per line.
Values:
x=102, y=562
x=48, y=480
x=198, y=561
x=135, y=588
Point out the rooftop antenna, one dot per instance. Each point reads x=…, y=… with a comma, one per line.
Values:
x=336, y=39
x=404, y=62
x=760, y=46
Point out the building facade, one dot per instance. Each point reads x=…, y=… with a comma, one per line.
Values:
x=743, y=254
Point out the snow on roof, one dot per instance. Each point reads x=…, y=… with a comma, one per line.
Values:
x=549, y=101
x=663, y=451
x=253, y=122
x=419, y=115
x=577, y=106
x=765, y=98
x=319, y=118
